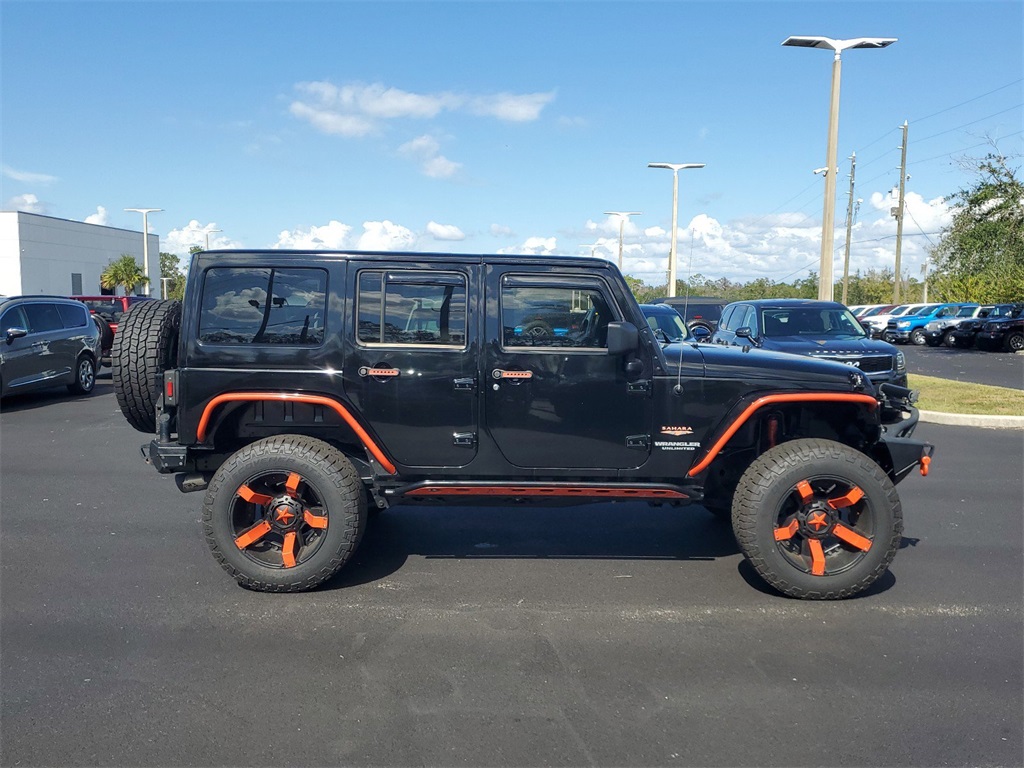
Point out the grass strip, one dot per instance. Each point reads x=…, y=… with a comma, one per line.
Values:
x=960, y=397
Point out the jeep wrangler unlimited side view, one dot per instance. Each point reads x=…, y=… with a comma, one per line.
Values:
x=303, y=390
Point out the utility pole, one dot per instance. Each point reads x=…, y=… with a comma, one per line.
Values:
x=898, y=213
x=849, y=225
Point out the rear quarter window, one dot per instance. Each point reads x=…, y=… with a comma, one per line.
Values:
x=72, y=316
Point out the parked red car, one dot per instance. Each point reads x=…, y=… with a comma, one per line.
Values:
x=106, y=312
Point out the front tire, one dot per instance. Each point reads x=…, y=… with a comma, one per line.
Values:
x=1015, y=342
x=284, y=514
x=817, y=519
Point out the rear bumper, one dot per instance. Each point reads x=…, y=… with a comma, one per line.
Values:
x=166, y=458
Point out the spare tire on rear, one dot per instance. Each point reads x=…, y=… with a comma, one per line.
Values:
x=145, y=345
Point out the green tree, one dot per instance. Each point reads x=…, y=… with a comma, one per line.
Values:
x=170, y=270
x=981, y=254
x=124, y=272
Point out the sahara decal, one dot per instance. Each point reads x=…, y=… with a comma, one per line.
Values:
x=677, y=431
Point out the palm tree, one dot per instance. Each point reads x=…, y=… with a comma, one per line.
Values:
x=124, y=272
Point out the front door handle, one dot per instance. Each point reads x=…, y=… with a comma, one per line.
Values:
x=379, y=373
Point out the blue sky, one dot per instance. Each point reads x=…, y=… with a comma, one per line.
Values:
x=503, y=126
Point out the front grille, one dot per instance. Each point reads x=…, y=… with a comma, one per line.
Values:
x=876, y=364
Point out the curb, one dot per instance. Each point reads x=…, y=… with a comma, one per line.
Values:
x=973, y=420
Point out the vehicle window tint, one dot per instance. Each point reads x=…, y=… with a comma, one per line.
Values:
x=539, y=316
x=399, y=307
x=744, y=318
x=43, y=318
x=253, y=305
x=13, y=318
x=109, y=309
x=71, y=316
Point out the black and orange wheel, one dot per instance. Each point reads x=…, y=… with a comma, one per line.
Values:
x=285, y=513
x=817, y=519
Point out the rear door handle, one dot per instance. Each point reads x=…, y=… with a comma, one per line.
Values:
x=379, y=373
x=498, y=373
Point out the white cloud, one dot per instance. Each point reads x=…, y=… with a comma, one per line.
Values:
x=542, y=246
x=100, y=217
x=28, y=203
x=385, y=236
x=27, y=177
x=515, y=108
x=501, y=230
x=179, y=240
x=426, y=150
x=331, y=236
x=445, y=231
x=355, y=109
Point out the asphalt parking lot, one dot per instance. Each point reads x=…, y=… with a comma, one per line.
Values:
x=997, y=369
x=616, y=634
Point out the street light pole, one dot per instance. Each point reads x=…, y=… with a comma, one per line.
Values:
x=825, y=280
x=623, y=215
x=145, y=240
x=675, y=168
x=208, y=237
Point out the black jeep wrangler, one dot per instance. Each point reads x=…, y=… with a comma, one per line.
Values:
x=302, y=391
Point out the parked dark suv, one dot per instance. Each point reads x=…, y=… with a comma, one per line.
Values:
x=696, y=311
x=825, y=330
x=966, y=333
x=301, y=390
x=47, y=341
x=106, y=312
x=1006, y=333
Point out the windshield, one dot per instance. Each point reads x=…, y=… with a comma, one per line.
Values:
x=804, y=321
x=670, y=324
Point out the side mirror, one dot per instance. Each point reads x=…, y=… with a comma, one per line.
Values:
x=15, y=333
x=623, y=337
x=700, y=333
x=746, y=333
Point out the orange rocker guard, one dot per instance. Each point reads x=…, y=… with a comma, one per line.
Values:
x=334, y=405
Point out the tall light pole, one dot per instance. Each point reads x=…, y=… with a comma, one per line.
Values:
x=675, y=168
x=825, y=278
x=208, y=237
x=145, y=240
x=623, y=215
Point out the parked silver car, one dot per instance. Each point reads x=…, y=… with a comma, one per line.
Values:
x=47, y=341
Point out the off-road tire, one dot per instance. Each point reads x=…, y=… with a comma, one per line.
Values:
x=336, y=484
x=145, y=345
x=106, y=333
x=1015, y=342
x=85, y=376
x=948, y=340
x=763, y=491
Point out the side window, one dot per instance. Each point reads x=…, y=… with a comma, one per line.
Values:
x=411, y=308
x=726, y=322
x=73, y=317
x=744, y=317
x=263, y=305
x=13, y=318
x=43, y=318
x=541, y=316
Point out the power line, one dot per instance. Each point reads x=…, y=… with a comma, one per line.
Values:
x=972, y=122
x=948, y=109
x=964, y=149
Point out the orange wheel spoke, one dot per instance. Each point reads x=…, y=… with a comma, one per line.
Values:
x=291, y=485
x=817, y=557
x=253, y=535
x=249, y=494
x=314, y=521
x=852, y=497
x=804, y=489
x=288, y=550
x=787, y=532
x=851, y=537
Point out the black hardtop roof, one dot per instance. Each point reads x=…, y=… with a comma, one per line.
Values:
x=411, y=256
x=792, y=303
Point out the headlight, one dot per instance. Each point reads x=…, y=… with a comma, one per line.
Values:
x=932, y=326
x=903, y=324
x=901, y=362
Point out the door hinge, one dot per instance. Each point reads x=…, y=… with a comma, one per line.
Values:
x=643, y=386
x=642, y=442
x=464, y=439
x=468, y=383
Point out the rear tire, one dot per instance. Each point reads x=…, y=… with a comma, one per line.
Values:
x=145, y=345
x=106, y=335
x=1015, y=342
x=285, y=513
x=85, y=376
x=817, y=519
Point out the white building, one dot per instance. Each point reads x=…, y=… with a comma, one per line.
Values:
x=42, y=254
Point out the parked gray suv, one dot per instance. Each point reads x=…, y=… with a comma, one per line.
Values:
x=46, y=341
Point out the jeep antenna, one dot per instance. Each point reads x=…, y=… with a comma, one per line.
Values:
x=678, y=388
